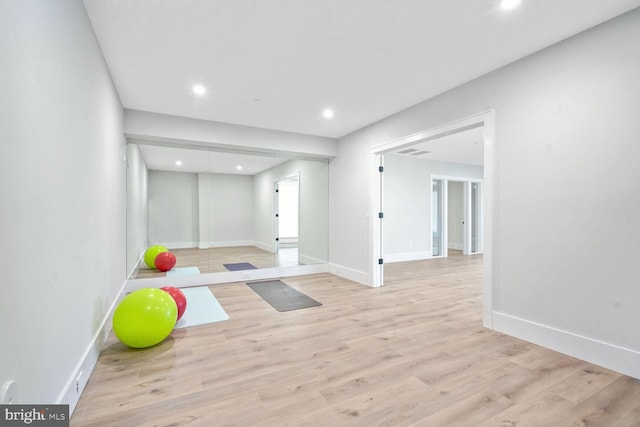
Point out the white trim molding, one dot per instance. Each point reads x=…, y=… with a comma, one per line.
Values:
x=610, y=356
x=177, y=245
x=306, y=260
x=407, y=256
x=264, y=246
x=76, y=383
x=225, y=277
x=351, y=274
x=487, y=120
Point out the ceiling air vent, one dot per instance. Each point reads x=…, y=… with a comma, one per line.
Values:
x=420, y=153
x=407, y=151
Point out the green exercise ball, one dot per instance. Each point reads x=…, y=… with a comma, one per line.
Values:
x=145, y=317
x=151, y=254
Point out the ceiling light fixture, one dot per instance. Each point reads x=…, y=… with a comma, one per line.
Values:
x=327, y=114
x=509, y=4
x=199, y=90
x=239, y=167
x=178, y=162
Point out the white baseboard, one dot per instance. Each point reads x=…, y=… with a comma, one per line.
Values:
x=178, y=245
x=136, y=267
x=230, y=243
x=610, y=356
x=287, y=245
x=456, y=246
x=264, y=246
x=406, y=256
x=226, y=277
x=288, y=241
x=76, y=383
x=216, y=244
x=305, y=259
x=350, y=273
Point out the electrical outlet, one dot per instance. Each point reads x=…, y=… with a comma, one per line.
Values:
x=78, y=383
x=9, y=393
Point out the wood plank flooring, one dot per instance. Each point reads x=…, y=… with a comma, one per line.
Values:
x=212, y=260
x=413, y=353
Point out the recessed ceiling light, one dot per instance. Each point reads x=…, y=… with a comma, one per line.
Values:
x=327, y=114
x=509, y=4
x=199, y=90
x=178, y=162
x=239, y=167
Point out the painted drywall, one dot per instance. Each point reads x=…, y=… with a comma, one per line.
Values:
x=264, y=210
x=455, y=215
x=200, y=210
x=137, y=212
x=148, y=126
x=407, y=203
x=350, y=209
x=566, y=144
x=313, y=228
x=173, y=209
x=62, y=219
x=313, y=233
x=230, y=209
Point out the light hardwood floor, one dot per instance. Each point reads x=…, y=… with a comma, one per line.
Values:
x=413, y=353
x=212, y=260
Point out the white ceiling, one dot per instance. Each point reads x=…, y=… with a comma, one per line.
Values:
x=366, y=59
x=199, y=160
x=465, y=147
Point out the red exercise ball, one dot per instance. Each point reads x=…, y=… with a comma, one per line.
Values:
x=178, y=297
x=165, y=261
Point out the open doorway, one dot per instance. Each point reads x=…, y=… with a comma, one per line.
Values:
x=456, y=215
x=447, y=216
x=405, y=240
x=287, y=223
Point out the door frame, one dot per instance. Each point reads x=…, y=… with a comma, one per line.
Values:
x=466, y=202
x=485, y=119
x=276, y=207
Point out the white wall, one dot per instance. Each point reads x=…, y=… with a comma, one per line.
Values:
x=173, y=209
x=263, y=210
x=455, y=215
x=137, y=212
x=407, y=204
x=313, y=233
x=566, y=144
x=201, y=210
x=62, y=218
x=230, y=211
x=147, y=126
x=313, y=227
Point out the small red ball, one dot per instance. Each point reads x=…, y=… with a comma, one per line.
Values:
x=178, y=297
x=165, y=261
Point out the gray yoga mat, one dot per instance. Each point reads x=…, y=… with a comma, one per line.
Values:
x=281, y=296
x=239, y=266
